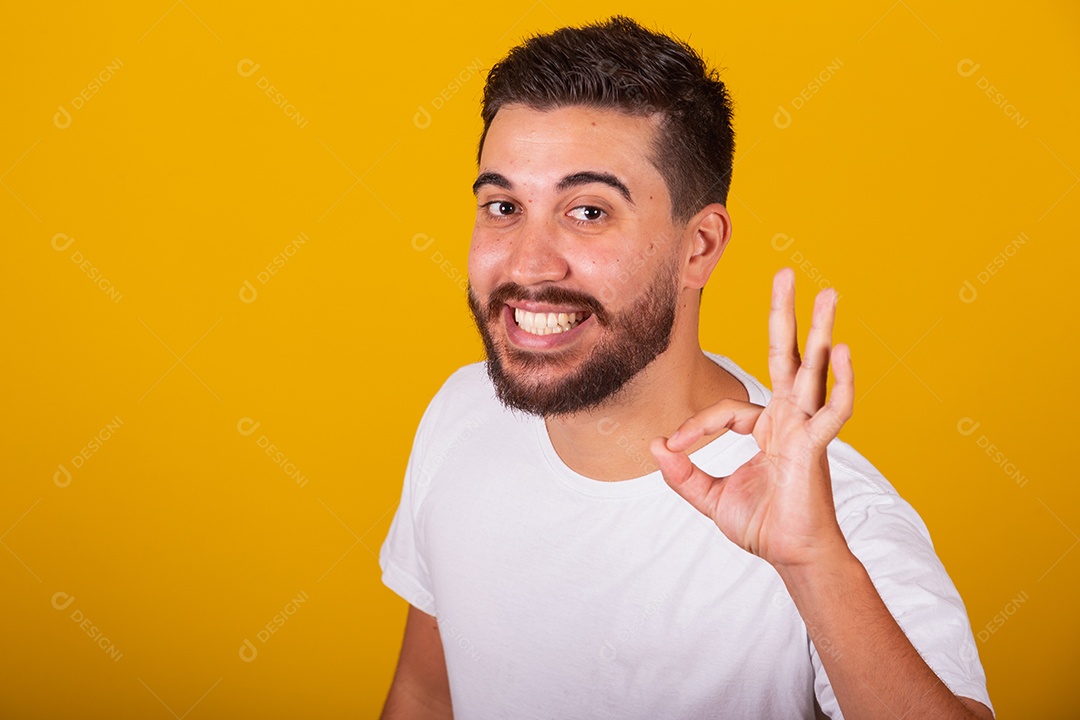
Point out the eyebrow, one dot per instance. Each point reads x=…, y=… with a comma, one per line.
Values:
x=491, y=178
x=584, y=177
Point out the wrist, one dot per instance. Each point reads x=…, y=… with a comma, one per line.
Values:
x=826, y=562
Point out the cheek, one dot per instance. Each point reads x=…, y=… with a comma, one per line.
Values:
x=483, y=259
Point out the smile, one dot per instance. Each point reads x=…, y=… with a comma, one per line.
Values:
x=547, y=323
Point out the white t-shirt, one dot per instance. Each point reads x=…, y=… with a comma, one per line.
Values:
x=559, y=596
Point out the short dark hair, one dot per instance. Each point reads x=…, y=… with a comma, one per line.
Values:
x=618, y=64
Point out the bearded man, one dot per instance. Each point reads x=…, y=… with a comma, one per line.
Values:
x=604, y=520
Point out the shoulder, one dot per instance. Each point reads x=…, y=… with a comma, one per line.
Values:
x=757, y=393
x=873, y=516
x=471, y=378
x=467, y=388
x=466, y=399
x=854, y=475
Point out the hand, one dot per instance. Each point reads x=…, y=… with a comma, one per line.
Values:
x=778, y=505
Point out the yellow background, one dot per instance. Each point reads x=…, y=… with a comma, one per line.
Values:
x=179, y=180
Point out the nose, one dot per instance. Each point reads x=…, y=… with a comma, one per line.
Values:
x=536, y=254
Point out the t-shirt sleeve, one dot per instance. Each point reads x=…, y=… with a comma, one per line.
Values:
x=893, y=544
x=402, y=557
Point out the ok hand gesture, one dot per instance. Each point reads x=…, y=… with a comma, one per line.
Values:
x=778, y=505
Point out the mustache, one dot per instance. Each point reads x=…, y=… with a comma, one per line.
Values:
x=553, y=295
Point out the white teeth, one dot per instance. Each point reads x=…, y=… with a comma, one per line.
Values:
x=546, y=323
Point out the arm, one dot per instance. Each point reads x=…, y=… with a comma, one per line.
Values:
x=872, y=666
x=420, y=688
x=779, y=506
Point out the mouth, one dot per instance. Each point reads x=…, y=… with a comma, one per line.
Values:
x=548, y=323
x=543, y=327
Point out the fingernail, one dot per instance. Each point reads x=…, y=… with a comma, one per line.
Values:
x=673, y=438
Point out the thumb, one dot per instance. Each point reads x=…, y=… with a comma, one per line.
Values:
x=694, y=485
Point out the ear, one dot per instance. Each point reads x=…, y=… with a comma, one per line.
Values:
x=707, y=234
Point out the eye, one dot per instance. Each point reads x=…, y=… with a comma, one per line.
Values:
x=587, y=213
x=500, y=208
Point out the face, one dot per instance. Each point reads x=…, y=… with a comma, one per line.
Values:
x=574, y=265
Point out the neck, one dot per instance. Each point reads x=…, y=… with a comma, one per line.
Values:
x=611, y=442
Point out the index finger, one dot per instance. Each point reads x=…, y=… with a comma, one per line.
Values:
x=783, y=343
x=729, y=414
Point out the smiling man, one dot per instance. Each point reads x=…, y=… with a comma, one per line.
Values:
x=605, y=521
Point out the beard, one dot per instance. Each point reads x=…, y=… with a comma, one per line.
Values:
x=630, y=340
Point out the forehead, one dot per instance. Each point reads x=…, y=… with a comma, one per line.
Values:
x=545, y=144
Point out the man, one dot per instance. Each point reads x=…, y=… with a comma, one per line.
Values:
x=610, y=522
